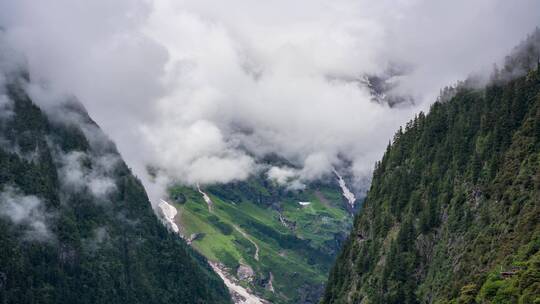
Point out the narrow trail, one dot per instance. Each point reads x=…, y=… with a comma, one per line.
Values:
x=244, y=234
x=271, y=284
x=247, y=237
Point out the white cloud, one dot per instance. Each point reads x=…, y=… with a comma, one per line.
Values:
x=202, y=88
x=75, y=176
x=282, y=175
x=6, y=106
x=27, y=210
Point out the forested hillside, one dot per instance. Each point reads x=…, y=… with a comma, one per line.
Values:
x=75, y=225
x=453, y=212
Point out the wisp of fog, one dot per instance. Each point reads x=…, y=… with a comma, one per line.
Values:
x=200, y=91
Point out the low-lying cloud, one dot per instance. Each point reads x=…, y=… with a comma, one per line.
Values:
x=6, y=107
x=199, y=90
x=74, y=176
x=28, y=211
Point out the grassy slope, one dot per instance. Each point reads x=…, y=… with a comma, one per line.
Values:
x=297, y=259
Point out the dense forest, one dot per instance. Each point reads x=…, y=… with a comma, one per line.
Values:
x=453, y=212
x=75, y=225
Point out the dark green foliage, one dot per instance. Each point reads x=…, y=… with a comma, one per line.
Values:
x=109, y=249
x=177, y=196
x=223, y=227
x=454, y=201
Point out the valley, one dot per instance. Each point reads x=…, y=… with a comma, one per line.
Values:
x=269, y=152
x=267, y=243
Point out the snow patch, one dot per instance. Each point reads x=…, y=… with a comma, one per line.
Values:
x=240, y=294
x=169, y=213
x=206, y=198
x=349, y=196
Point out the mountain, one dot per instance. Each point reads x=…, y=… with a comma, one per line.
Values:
x=278, y=242
x=76, y=225
x=453, y=212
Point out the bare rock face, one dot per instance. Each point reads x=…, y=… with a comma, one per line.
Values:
x=236, y=297
x=245, y=273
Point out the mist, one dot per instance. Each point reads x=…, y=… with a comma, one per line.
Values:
x=201, y=90
x=27, y=211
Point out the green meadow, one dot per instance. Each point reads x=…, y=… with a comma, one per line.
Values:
x=298, y=254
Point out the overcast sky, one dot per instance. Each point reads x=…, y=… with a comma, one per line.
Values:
x=200, y=88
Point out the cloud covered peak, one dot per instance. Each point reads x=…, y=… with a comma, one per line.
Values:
x=200, y=91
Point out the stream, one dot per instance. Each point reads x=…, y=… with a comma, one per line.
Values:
x=349, y=196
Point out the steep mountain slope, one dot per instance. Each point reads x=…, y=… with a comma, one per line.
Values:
x=278, y=242
x=75, y=225
x=453, y=213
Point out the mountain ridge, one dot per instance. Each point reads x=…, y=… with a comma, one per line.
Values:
x=452, y=212
x=76, y=225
